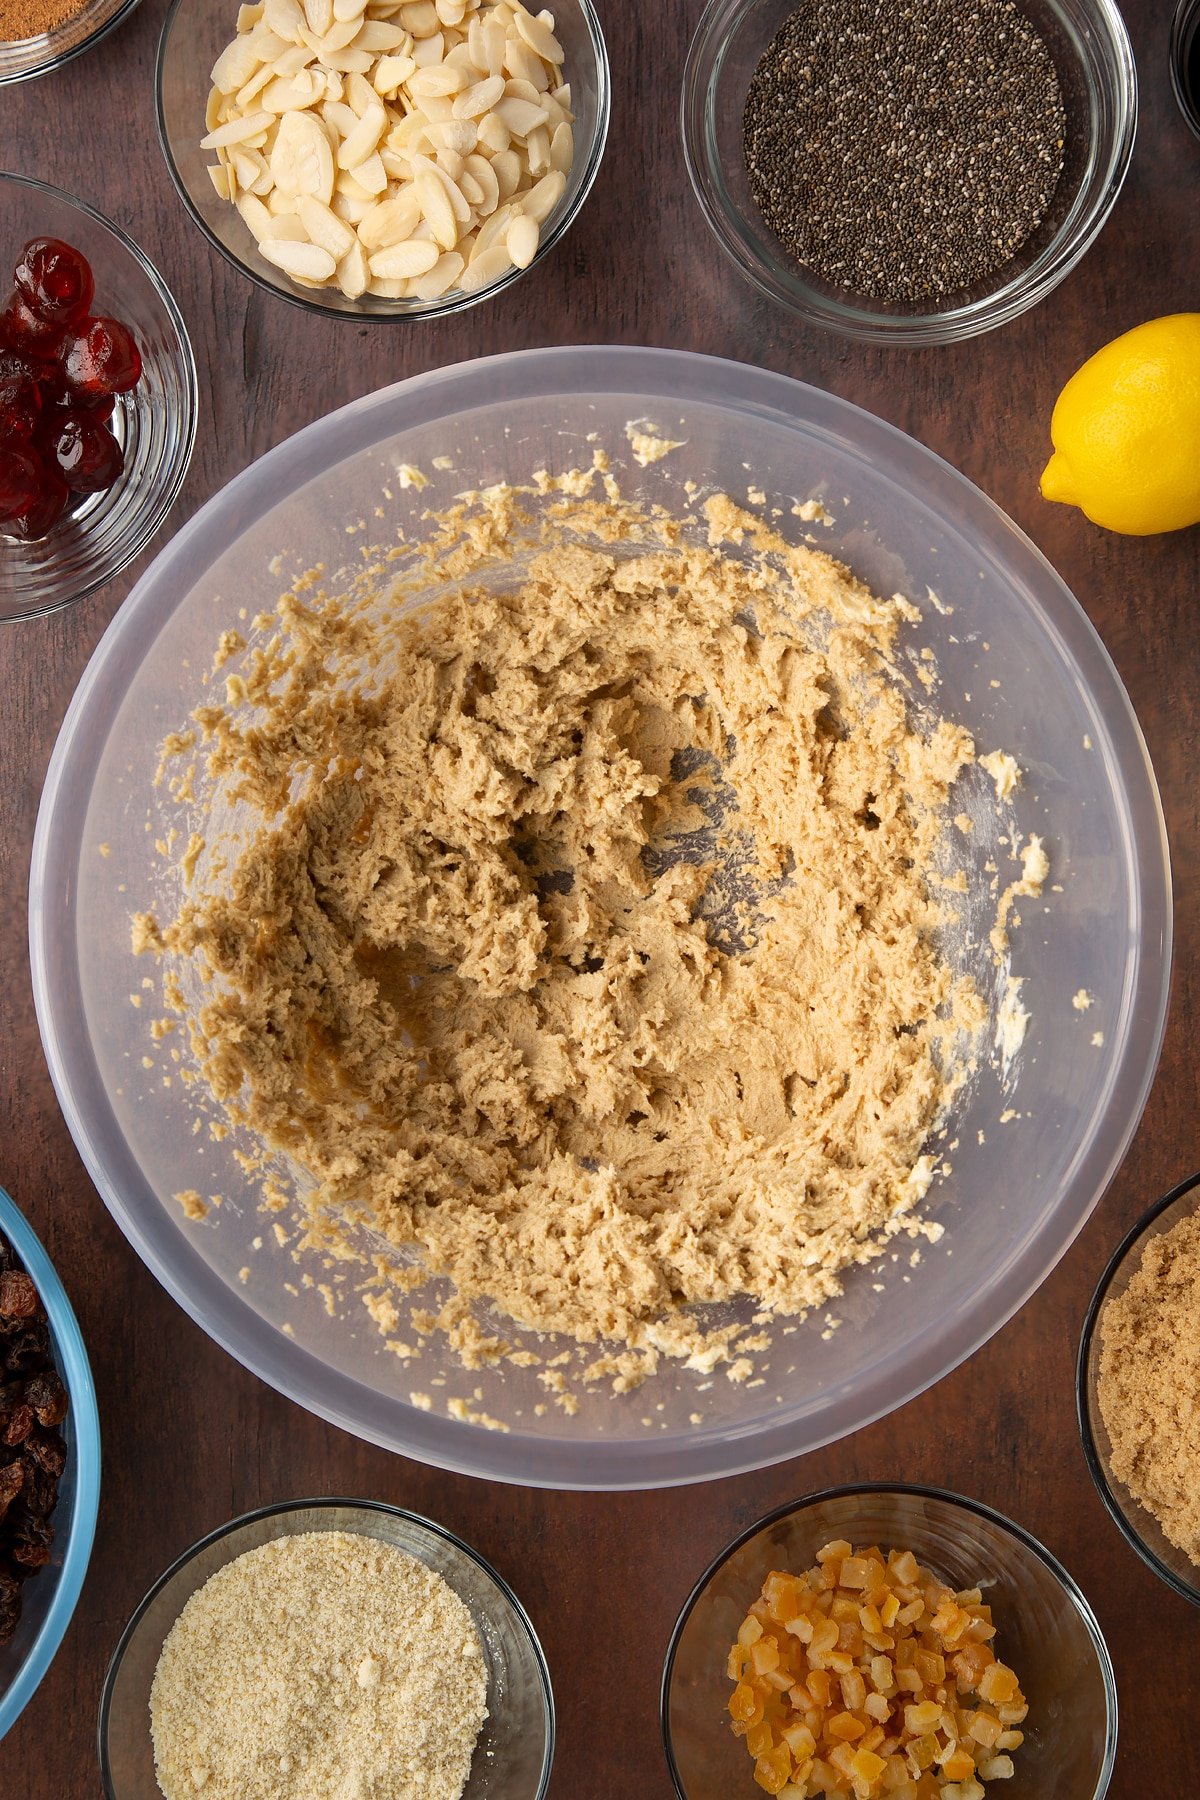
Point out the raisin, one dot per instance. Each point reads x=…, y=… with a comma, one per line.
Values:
x=31, y=1543
x=19, y=1426
x=28, y=1349
x=18, y=1296
x=10, y=1605
x=47, y=1396
x=47, y=1450
x=12, y=1480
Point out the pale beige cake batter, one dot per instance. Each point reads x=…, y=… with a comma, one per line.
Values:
x=587, y=939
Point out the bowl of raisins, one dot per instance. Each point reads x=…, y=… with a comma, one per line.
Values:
x=49, y=1462
x=97, y=399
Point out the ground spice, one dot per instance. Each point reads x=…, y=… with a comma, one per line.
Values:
x=904, y=151
x=1149, y=1383
x=22, y=19
x=323, y=1666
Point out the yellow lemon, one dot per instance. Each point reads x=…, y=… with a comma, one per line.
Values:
x=1126, y=431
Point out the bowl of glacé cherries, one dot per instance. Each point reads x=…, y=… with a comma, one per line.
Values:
x=97, y=399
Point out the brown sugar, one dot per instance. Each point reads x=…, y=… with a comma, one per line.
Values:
x=23, y=19
x=1149, y=1383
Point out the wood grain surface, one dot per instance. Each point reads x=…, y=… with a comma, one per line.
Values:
x=190, y=1438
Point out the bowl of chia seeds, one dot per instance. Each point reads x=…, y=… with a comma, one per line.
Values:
x=908, y=171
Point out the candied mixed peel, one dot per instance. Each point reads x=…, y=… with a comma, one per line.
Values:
x=867, y=1676
x=581, y=934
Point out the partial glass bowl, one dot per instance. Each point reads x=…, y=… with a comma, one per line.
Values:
x=1045, y=1631
x=1184, y=55
x=1030, y=1148
x=155, y=424
x=1090, y=47
x=48, y=1598
x=193, y=37
x=1136, y=1524
x=516, y=1745
x=23, y=58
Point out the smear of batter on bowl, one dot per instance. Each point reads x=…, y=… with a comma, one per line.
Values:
x=584, y=934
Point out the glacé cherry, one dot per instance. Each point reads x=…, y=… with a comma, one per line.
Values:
x=101, y=359
x=55, y=280
x=84, y=451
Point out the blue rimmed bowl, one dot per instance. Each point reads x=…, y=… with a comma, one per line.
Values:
x=48, y=1598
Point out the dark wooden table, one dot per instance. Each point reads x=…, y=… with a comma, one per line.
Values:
x=190, y=1438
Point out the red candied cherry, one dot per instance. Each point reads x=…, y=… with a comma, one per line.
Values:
x=20, y=379
x=22, y=328
x=101, y=359
x=21, y=477
x=84, y=451
x=18, y=422
x=47, y=509
x=54, y=280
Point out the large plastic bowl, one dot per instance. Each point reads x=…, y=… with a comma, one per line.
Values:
x=48, y=1598
x=1021, y=667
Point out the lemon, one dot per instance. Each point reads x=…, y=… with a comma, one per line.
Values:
x=1126, y=431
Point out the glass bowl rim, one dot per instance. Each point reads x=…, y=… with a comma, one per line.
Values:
x=455, y=389
x=189, y=381
x=1186, y=17
x=951, y=324
x=1142, y=1229
x=81, y=1391
x=56, y=59
x=447, y=304
x=910, y=1490
x=321, y=1503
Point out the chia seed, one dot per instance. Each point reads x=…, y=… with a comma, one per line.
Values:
x=908, y=150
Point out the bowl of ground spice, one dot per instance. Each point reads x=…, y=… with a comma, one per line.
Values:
x=913, y=173
x=39, y=35
x=326, y=1649
x=1139, y=1388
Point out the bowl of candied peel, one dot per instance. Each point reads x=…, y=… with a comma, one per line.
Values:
x=97, y=399
x=887, y=1643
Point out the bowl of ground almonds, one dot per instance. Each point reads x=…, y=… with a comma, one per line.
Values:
x=1139, y=1388
x=600, y=918
x=912, y=174
x=326, y=1649
x=898, y=1642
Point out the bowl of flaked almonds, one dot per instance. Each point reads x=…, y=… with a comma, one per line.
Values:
x=369, y=159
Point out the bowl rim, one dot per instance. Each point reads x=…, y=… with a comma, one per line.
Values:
x=951, y=324
x=1143, y=1229
x=445, y=305
x=81, y=1390
x=56, y=59
x=190, y=383
x=1185, y=39
x=287, y=1366
x=915, y=1490
x=321, y=1503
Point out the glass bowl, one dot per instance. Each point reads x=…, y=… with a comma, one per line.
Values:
x=1091, y=51
x=156, y=423
x=1033, y=1148
x=516, y=1745
x=192, y=39
x=1184, y=56
x=1046, y=1631
x=1138, y=1526
x=21, y=59
x=48, y=1598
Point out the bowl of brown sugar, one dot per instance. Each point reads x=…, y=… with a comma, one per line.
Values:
x=1139, y=1388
